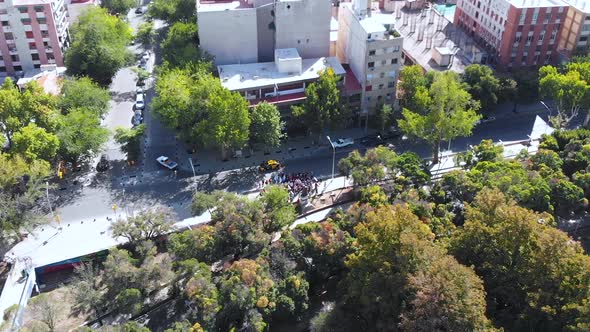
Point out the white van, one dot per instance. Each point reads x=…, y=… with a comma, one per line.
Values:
x=139, y=103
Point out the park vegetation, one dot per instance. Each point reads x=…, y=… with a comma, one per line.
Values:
x=478, y=250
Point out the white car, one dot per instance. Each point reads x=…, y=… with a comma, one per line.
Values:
x=343, y=142
x=166, y=162
x=139, y=103
x=485, y=119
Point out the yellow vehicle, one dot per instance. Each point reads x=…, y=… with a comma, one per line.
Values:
x=269, y=165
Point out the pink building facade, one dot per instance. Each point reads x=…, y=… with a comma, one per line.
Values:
x=519, y=33
x=32, y=33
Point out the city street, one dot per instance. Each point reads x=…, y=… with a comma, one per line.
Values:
x=130, y=187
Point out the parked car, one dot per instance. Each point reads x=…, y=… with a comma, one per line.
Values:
x=145, y=56
x=139, y=91
x=485, y=119
x=139, y=102
x=103, y=164
x=136, y=120
x=166, y=162
x=372, y=140
x=139, y=10
x=343, y=142
x=269, y=165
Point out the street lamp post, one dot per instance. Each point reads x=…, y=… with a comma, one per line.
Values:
x=333, y=154
x=190, y=160
x=547, y=107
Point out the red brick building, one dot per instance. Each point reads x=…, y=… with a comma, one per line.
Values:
x=518, y=33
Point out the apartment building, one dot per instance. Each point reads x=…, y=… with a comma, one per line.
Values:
x=248, y=31
x=576, y=29
x=369, y=43
x=32, y=33
x=518, y=33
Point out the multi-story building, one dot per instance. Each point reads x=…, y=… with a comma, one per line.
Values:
x=518, y=33
x=576, y=29
x=281, y=82
x=369, y=43
x=32, y=33
x=248, y=31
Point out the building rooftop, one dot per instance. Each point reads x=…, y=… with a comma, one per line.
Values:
x=48, y=79
x=287, y=53
x=371, y=26
x=536, y=3
x=258, y=75
x=221, y=5
x=581, y=5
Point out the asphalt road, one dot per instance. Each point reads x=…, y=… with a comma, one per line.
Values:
x=147, y=184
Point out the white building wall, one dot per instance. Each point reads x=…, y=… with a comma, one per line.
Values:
x=18, y=30
x=230, y=35
x=305, y=25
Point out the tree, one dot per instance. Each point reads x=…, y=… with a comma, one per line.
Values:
x=118, y=6
x=482, y=84
x=266, y=127
x=98, y=49
x=568, y=90
x=451, y=113
x=129, y=139
x=322, y=108
x=278, y=207
x=201, y=291
x=84, y=93
x=414, y=88
x=181, y=44
x=47, y=310
x=198, y=243
x=535, y=276
x=129, y=301
x=397, y=263
x=147, y=224
x=173, y=11
x=385, y=116
x=88, y=293
x=81, y=135
x=146, y=34
x=33, y=143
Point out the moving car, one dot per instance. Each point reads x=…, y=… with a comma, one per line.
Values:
x=343, y=142
x=139, y=103
x=166, y=162
x=269, y=165
x=103, y=164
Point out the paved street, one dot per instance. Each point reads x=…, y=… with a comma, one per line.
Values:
x=146, y=183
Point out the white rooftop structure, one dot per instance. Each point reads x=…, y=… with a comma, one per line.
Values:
x=536, y=3
x=256, y=75
x=581, y=5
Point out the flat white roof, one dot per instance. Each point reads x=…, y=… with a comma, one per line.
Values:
x=444, y=50
x=383, y=18
x=582, y=5
x=371, y=26
x=258, y=75
x=208, y=6
x=287, y=53
x=536, y=3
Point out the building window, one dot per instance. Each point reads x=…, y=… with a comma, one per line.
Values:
x=41, y=20
x=2, y=69
x=22, y=9
x=14, y=58
x=394, y=61
x=25, y=21
x=371, y=64
x=35, y=56
x=381, y=75
x=37, y=66
x=39, y=9
x=396, y=48
x=32, y=46
x=3, y=11
x=381, y=86
x=369, y=88
x=49, y=56
x=584, y=38
x=372, y=52
x=29, y=34
x=44, y=33
x=383, y=62
x=391, y=84
x=18, y=68
x=8, y=36
x=5, y=23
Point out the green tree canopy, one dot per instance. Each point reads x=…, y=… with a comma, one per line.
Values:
x=535, y=276
x=173, y=11
x=180, y=46
x=482, y=84
x=34, y=142
x=84, y=93
x=146, y=34
x=266, y=127
x=81, y=136
x=451, y=113
x=414, y=88
x=99, y=46
x=118, y=6
x=322, y=108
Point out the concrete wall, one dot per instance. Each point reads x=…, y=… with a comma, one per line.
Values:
x=266, y=32
x=231, y=35
x=305, y=25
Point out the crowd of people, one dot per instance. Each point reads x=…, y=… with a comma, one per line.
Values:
x=298, y=184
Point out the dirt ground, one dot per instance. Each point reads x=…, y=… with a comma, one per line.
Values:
x=61, y=304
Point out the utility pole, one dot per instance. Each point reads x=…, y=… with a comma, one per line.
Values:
x=190, y=160
x=333, y=155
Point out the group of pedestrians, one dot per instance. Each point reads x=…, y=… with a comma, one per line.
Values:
x=298, y=184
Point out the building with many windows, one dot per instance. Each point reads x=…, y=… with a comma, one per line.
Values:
x=576, y=29
x=369, y=43
x=32, y=33
x=248, y=31
x=517, y=33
